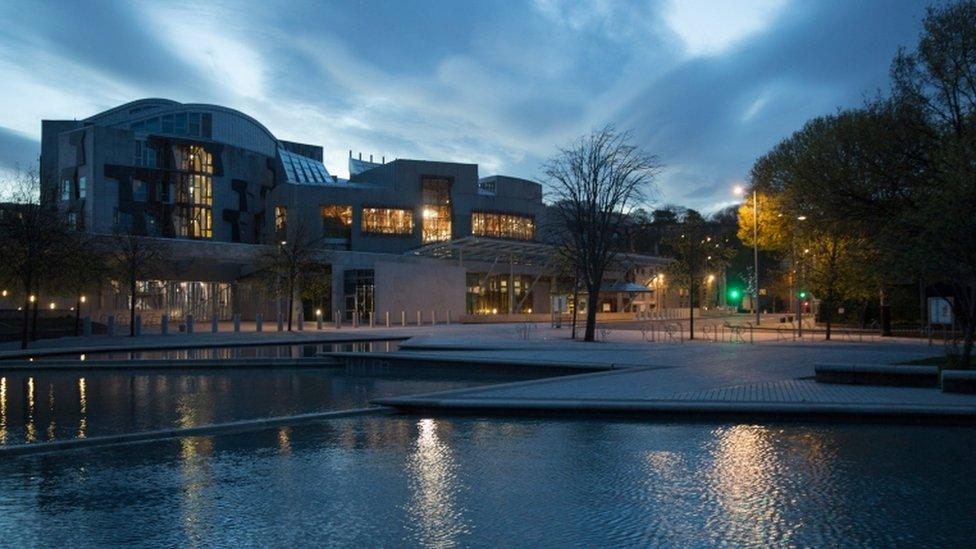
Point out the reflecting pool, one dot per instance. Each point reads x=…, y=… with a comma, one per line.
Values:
x=54, y=405
x=408, y=481
x=236, y=351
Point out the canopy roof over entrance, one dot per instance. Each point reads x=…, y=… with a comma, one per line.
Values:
x=491, y=250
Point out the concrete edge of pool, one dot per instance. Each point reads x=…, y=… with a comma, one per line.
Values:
x=268, y=340
x=456, y=403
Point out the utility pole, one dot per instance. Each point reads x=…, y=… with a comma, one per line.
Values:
x=755, y=253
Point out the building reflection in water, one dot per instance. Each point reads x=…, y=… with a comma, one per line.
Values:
x=197, y=475
x=434, y=487
x=284, y=440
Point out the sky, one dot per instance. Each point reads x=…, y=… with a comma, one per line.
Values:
x=705, y=85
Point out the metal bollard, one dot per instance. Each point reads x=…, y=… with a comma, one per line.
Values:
x=137, y=326
x=318, y=319
x=189, y=324
x=110, y=325
x=371, y=319
x=418, y=318
x=214, y=325
x=433, y=317
x=355, y=319
x=403, y=318
x=258, y=322
x=448, y=316
x=388, y=319
x=301, y=320
x=237, y=323
x=164, y=324
x=338, y=319
x=87, y=326
x=281, y=322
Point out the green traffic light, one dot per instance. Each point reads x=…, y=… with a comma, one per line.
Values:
x=803, y=295
x=733, y=294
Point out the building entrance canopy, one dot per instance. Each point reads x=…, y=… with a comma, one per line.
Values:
x=537, y=254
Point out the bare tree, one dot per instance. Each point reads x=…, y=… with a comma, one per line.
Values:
x=32, y=232
x=84, y=266
x=135, y=258
x=596, y=182
x=289, y=261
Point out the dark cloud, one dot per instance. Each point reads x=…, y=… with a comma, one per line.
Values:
x=817, y=57
x=17, y=150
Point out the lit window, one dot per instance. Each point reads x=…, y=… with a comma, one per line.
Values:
x=437, y=208
x=336, y=221
x=194, y=158
x=495, y=225
x=387, y=221
x=281, y=218
x=193, y=216
x=66, y=190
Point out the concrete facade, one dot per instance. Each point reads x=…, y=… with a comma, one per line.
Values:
x=218, y=187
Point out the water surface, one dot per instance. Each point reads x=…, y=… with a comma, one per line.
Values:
x=404, y=481
x=57, y=404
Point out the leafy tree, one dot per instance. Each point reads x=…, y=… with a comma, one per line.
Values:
x=934, y=88
x=596, y=182
x=698, y=248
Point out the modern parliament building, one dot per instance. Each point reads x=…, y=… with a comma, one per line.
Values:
x=399, y=239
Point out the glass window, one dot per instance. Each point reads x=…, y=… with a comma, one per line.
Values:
x=179, y=123
x=167, y=124
x=82, y=186
x=495, y=225
x=123, y=221
x=437, y=208
x=194, y=158
x=66, y=190
x=336, y=221
x=358, y=287
x=281, y=218
x=145, y=154
x=394, y=221
x=72, y=221
x=193, y=120
x=140, y=190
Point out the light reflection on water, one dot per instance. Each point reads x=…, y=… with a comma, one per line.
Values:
x=434, y=485
x=400, y=481
x=94, y=403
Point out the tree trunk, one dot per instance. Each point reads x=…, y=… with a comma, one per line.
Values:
x=575, y=307
x=828, y=315
x=77, y=314
x=967, y=343
x=34, y=320
x=591, y=303
x=25, y=318
x=291, y=301
x=132, y=307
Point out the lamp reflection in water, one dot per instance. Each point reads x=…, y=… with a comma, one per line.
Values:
x=53, y=426
x=743, y=481
x=3, y=410
x=30, y=434
x=434, y=486
x=82, y=408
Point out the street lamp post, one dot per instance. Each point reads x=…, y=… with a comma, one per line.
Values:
x=739, y=190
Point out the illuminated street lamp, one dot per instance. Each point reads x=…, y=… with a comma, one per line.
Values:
x=741, y=191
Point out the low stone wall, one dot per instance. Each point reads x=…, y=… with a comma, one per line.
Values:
x=878, y=374
x=959, y=381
